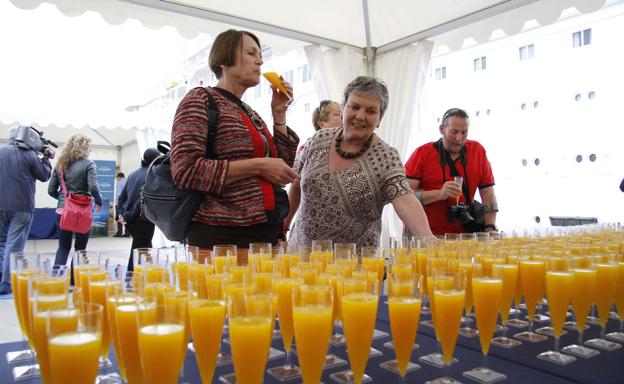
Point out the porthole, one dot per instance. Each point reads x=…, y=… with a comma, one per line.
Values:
x=578, y=97
x=592, y=157
x=536, y=162
x=591, y=95
x=537, y=219
x=579, y=158
x=523, y=106
x=524, y=162
x=535, y=104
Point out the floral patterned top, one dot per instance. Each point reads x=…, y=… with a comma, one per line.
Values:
x=345, y=205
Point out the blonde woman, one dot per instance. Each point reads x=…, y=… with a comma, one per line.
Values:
x=79, y=174
x=327, y=115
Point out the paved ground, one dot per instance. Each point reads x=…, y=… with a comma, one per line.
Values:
x=119, y=250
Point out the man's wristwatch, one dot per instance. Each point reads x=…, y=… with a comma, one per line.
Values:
x=492, y=226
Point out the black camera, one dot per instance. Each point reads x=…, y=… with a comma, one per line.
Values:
x=460, y=212
x=29, y=138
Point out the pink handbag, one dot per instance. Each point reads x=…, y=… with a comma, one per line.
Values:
x=77, y=214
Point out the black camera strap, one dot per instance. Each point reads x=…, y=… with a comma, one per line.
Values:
x=462, y=159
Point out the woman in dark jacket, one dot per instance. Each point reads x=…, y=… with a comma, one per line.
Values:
x=80, y=178
x=129, y=206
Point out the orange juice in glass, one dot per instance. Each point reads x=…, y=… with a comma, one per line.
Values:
x=74, y=335
x=373, y=261
x=404, y=306
x=207, y=318
x=277, y=82
x=532, y=275
x=98, y=291
x=606, y=282
x=250, y=320
x=619, y=300
x=124, y=310
x=509, y=275
x=312, y=315
x=559, y=282
x=449, y=290
x=161, y=340
x=359, y=311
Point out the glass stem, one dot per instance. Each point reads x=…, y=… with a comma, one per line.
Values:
x=556, y=345
x=602, y=331
x=580, y=336
x=288, y=357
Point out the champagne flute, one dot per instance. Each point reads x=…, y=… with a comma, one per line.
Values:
x=312, y=316
x=531, y=275
x=74, y=334
x=509, y=274
x=322, y=251
x=345, y=260
x=487, y=286
x=404, y=305
x=559, y=282
x=606, y=276
x=619, y=302
x=359, y=310
x=250, y=316
x=583, y=290
x=161, y=339
x=459, y=180
x=449, y=289
x=24, y=264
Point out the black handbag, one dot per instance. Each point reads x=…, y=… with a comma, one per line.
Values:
x=171, y=208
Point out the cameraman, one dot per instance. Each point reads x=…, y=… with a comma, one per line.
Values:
x=19, y=168
x=431, y=170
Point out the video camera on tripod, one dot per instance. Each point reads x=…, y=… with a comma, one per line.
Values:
x=29, y=138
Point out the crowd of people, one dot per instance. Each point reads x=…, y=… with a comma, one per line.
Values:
x=340, y=179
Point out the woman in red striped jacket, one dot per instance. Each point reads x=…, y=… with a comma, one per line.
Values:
x=242, y=181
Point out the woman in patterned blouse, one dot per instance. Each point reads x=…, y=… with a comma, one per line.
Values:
x=347, y=175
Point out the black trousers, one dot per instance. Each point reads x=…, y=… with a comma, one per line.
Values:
x=142, y=232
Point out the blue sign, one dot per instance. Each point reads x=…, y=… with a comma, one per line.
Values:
x=106, y=179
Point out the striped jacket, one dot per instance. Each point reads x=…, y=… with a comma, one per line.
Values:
x=244, y=202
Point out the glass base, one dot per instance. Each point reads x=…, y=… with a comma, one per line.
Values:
x=111, y=378
x=603, y=345
x=573, y=326
x=513, y=312
x=556, y=357
x=436, y=360
x=104, y=363
x=285, y=372
x=505, y=342
x=484, y=375
x=425, y=311
x=539, y=318
x=593, y=320
x=522, y=306
x=517, y=323
x=230, y=378
x=549, y=331
x=275, y=354
x=531, y=337
x=580, y=351
x=377, y=334
x=338, y=340
x=390, y=345
x=333, y=361
x=374, y=353
x=443, y=380
x=499, y=328
x=615, y=336
x=26, y=372
x=393, y=366
x=16, y=357
x=468, y=332
x=346, y=377
x=427, y=323
x=223, y=359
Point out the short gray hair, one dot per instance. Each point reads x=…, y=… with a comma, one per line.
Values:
x=366, y=85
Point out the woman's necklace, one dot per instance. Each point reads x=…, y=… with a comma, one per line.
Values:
x=351, y=155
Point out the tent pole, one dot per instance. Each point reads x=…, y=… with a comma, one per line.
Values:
x=370, y=54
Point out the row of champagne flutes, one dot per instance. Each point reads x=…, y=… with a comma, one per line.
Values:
x=564, y=269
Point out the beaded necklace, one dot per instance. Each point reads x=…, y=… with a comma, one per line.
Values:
x=351, y=155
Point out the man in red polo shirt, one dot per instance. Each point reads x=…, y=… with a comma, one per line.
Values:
x=432, y=168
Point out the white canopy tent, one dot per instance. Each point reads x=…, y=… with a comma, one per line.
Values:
x=390, y=39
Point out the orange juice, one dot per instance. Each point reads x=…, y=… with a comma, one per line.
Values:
x=285, y=287
x=22, y=302
x=619, y=290
x=313, y=326
x=488, y=293
x=359, y=311
x=90, y=275
x=111, y=308
x=250, y=347
x=375, y=264
x=39, y=329
x=289, y=260
x=161, y=352
x=468, y=302
x=98, y=291
x=421, y=258
x=157, y=274
x=605, y=289
x=322, y=258
x=181, y=272
x=276, y=82
x=180, y=299
x=127, y=329
x=82, y=268
x=220, y=262
x=207, y=318
x=443, y=283
x=404, y=317
x=16, y=299
x=74, y=357
x=559, y=291
x=583, y=294
x=509, y=274
x=532, y=272
x=448, y=309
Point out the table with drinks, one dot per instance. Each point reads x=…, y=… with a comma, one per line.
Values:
x=315, y=312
